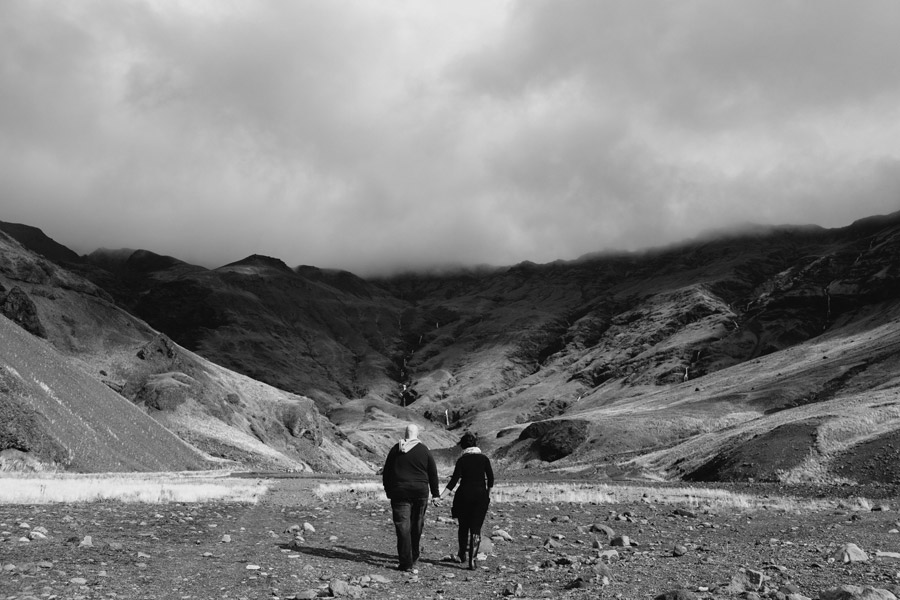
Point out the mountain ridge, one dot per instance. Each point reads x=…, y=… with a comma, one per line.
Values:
x=542, y=359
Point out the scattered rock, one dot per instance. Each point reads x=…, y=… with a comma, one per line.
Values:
x=308, y=528
x=609, y=555
x=855, y=592
x=622, y=541
x=604, y=529
x=551, y=543
x=850, y=553
x=487, y=546
x=87, y=542
x=683, y=512
x=513, y=589
x=679, y=550
x=341, y=588
x=756, y=578
x=677, y=595
x=226, y=539
x=601, y=571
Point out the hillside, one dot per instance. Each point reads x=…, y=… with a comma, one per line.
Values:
x=703, y=360
x=88, y=387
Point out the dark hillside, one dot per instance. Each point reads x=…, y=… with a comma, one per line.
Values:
x=37, y=241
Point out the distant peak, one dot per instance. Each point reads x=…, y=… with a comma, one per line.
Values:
x=37, y=241
x=259, y=260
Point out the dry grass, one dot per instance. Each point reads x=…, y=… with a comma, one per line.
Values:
x=597, y=493
x=152, y=488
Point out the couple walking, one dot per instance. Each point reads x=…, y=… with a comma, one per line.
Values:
x=410, y=473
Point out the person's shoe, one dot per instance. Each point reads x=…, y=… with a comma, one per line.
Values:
x=474, y=545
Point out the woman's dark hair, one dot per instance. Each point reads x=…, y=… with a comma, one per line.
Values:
x=468, y=440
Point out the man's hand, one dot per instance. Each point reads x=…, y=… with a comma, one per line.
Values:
x=435, y=500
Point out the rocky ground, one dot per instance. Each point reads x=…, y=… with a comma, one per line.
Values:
x=345, y=547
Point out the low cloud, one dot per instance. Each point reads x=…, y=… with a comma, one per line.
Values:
x=370, y=136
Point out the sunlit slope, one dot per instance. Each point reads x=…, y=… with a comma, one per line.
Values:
x=797, y=414
x=54, y=411
x=239, y=422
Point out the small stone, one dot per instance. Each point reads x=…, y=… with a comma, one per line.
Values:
x=679, y=550
x=604, y=529
x=78, y=581
x=609, y=555
x=755, y=578
x=621, y=540
x=87, y=542
x=308, y=528
x=226, y=539
x=487, y=546
x=513, y=589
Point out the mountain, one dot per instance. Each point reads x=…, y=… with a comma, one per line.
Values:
x=86, y=386
x=766, y=353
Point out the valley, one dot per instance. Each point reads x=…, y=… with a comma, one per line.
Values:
x=702, y=361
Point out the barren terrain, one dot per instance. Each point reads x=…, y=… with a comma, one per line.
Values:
x=229, y=550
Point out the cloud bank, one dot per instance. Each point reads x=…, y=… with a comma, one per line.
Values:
x=369, y=136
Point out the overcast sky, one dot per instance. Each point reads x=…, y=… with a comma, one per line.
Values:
x=370, y=134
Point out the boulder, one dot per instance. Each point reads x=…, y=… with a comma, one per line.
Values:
x=850, y=553
x=20, y=308
x=855, y=592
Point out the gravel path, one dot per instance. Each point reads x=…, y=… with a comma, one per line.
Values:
x=243, y=551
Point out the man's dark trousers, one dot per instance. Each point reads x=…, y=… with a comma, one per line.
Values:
x=409, y=521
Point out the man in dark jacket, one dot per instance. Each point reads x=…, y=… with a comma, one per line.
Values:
x=408, y=476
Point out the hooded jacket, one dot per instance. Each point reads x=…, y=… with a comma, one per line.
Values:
x=410, y=472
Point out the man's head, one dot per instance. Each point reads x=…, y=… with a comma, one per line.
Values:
x=412, y=431
x=468, y=440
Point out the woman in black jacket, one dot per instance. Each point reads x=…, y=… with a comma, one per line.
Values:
x=470, y=504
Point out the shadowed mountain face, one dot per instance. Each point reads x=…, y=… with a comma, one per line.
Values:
x=654, y=363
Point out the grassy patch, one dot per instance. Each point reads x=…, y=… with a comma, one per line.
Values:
x=598, y=493
x=152, y=488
